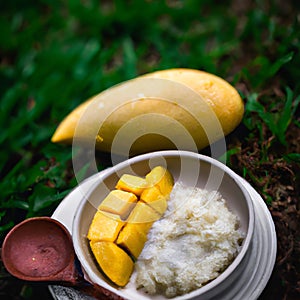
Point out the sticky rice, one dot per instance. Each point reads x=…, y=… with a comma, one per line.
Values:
x=191, y=245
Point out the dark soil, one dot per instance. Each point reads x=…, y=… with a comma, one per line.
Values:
x=277, y=181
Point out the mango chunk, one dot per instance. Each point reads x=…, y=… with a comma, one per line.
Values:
x=153, y=197
x=162, y=178
x=131, y=183
x=105, y=226
x=143, y=214
x=119, y=202
x=114, y=261
x=133, y=237
x=119, y=229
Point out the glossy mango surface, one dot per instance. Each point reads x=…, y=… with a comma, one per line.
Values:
x=119, y=228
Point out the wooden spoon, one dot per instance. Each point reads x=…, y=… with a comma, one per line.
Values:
x=41, y=249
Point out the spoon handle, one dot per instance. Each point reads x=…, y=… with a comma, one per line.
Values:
x=97, y=291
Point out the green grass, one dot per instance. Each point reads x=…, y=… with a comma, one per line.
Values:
x=277, y=120
x=56, y=54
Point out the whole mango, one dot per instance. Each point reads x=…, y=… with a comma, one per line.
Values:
x=170, y=109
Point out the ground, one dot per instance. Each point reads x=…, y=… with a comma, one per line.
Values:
x=52, y=58
x=283, y=188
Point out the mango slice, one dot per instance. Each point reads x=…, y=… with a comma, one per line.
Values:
x=161, y=178
x=154, y=198
x=119, y=228
x=114, y=262
x=134, y=234
x=133, y=237
x=119, y=202
x=131, y=183
x=143, y=213
x=105, y=227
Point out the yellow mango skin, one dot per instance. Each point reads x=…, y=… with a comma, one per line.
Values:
x=105, y=226
x=132, y=184
x=222, y=99
x=218, y=93
x=114, y=262
x=119, y=202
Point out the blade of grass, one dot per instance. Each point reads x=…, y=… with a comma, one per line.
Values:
x=277, y=122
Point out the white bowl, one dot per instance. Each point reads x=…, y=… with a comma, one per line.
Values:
x=191, y=169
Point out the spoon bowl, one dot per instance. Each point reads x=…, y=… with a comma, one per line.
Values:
x=40, y=249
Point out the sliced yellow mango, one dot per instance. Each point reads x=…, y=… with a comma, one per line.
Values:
x=133, y=237
x=105, y=226
x=162, y=178
x=131, y=183
x=114, y=261
x=143, y=214
x=119, y=228
x=119, y=202
x=153, y=197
